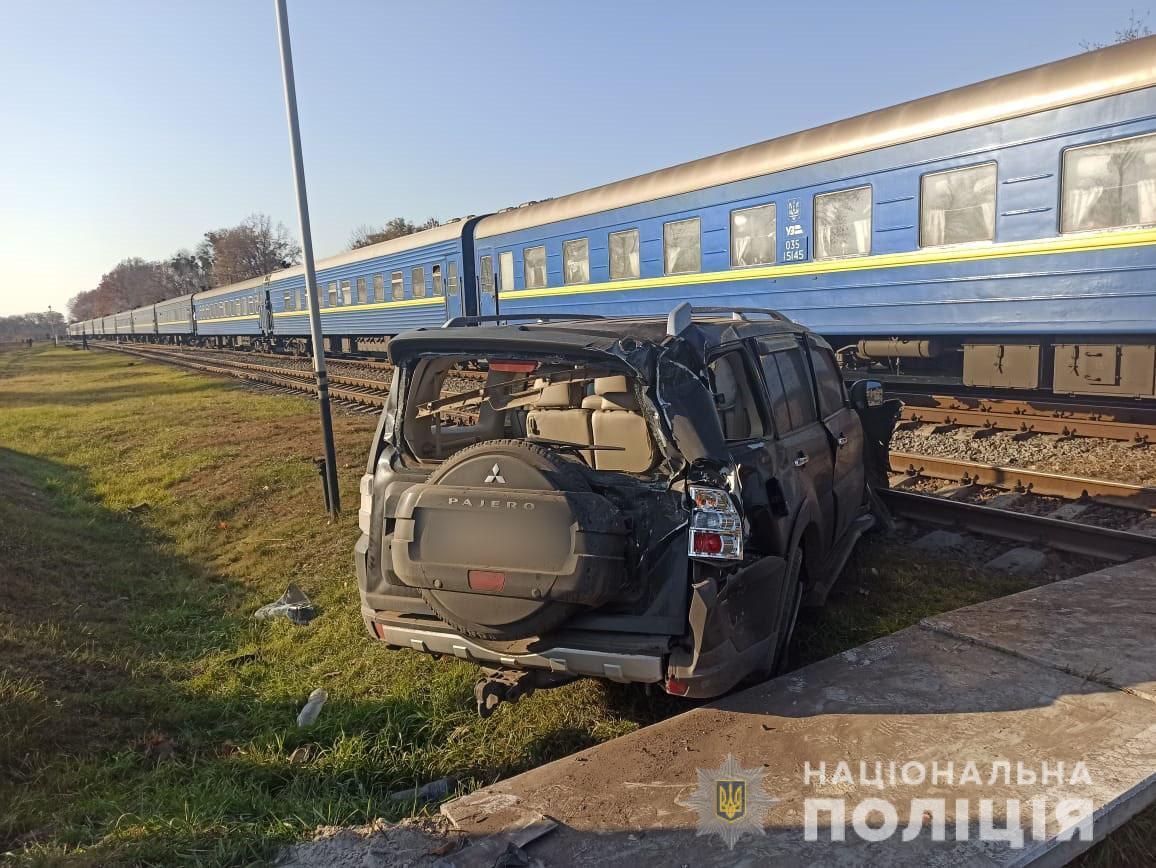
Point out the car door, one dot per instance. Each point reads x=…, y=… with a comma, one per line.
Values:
x=801, y=435
x=844, y=435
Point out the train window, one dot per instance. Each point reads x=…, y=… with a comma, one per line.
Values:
x=534, y=267
x=506, y=271
x=397, y=285
x=346, y=292
x=1110, y=185
x=682, y=246
x=379, y=287
x=436, y=278
x=288, y=301
x=333, y=302
x=302, y=304
x=576, y=261
x=624, y=254
x=417, y=278
x=452, y=277
x=753, y=236
x=843, y=223
x=957, y=206
x=362, y=292
x=486, y=278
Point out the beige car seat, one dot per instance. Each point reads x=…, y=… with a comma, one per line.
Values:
x=558, y=416
x=616, y=421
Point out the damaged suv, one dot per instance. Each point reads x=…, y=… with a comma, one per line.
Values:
x=644, y=500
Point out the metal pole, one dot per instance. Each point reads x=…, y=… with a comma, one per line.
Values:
x=333, y=496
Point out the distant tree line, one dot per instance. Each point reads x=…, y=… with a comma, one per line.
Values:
x=363, y=236
x=22, y=326
x=253, y=248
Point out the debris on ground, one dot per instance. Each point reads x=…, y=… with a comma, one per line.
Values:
x=312, y=708
x=434, y=791
x=293, y=604
x=420, y=841
x=433, y=841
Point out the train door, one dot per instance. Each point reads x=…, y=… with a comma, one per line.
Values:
x=452, y=278
x=265, y=312
x=487, y=283
x=439, y=272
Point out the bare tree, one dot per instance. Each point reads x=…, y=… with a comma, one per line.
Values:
x=363, y=236
x=254, y=248
x=31, y=325
x=1136, y=28
x=190, y=271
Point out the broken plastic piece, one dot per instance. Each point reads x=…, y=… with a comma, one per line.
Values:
x=434, y=791
x=293, y=604
x=312, y=708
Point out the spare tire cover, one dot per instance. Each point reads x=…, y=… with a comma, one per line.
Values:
x=508, y=541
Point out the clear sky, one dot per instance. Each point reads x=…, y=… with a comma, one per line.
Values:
x=130, y=127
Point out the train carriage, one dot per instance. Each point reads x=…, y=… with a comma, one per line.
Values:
x=122, y=324
x=384, y=288
x=233, y=314
x=144, y=322
x=1002, y=232
x=175, y=317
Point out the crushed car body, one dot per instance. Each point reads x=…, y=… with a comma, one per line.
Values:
x=641, y=500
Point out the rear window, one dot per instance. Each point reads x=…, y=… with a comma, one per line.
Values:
x=584, y=409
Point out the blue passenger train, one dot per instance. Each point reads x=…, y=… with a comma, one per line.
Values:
x=1001, y=234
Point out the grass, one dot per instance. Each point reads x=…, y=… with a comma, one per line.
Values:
x=146, y=718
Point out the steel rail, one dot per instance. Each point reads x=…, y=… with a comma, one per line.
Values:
x=1032, y=408
x=1121, y=494
x=300, y=381
x=1069, y=536
x=1140, y=435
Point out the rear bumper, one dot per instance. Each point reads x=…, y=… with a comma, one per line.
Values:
x=613, y=666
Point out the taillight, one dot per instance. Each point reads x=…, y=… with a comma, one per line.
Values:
x=486, y=580
x=675, y=687
x=716, y=529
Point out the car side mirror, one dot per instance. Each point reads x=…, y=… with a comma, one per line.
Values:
x=866, y=393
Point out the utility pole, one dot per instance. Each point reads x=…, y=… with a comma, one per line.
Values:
x=332, y=495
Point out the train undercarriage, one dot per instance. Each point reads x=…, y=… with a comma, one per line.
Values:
x=1123, y=367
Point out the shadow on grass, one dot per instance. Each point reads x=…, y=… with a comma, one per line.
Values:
x=109, y=751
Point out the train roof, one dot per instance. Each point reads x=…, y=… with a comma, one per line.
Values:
x=445, y=232
x=179, y=299
x=1093, y=75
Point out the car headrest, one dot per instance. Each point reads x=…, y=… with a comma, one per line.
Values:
x=611, y=385
x=555, y=395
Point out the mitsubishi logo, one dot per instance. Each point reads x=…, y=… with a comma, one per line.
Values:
x=496, y=476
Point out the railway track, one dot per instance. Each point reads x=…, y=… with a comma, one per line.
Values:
x=1027, y=418
x=971, y=476
x=1076, y=537
x=1031, y=514
x=360, y=392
